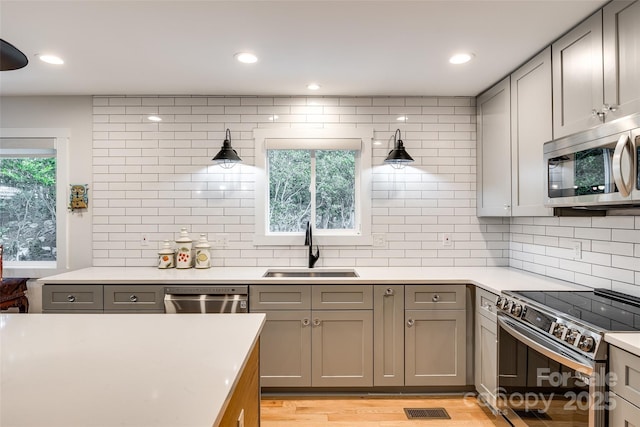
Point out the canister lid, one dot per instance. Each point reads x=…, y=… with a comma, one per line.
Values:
x=166, y=248
x=184, y=236
x=202, y=242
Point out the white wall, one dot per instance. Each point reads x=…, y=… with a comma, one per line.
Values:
x=154, y=178
x=66, y=112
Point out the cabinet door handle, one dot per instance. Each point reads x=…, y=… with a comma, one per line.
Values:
x=71, y=298
x=410, y=323
x=316, y=322
x=436, y=298
x=305, y=322
x=133, y=298
x=388, y=292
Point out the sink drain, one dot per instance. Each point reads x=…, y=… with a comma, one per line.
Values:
x=427, y=414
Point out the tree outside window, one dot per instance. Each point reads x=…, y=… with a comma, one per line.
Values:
x=311, y=185
x=28, y=208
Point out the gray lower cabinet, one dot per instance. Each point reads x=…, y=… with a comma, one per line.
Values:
x=285, y=349
x=72, y=298
x=486, y=347
x=330, y=345
x=388, y=332
x=624, y=399
x=342, y=348
x=435, y=338
x=134, y=298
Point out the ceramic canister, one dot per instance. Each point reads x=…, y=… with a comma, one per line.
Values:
x=184, y=245
x=203, y=253
x=166, y=256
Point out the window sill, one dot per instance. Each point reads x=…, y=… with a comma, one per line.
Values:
x=32, y=270
x=320, y=240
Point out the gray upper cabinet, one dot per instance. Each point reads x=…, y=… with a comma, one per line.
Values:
x=621, y=37
x=494, y=151
x=578, y=78
x=531, y=127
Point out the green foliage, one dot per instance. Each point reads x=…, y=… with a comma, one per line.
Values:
x=289, y=197
x=290, y=176
x=28, y=208
x=335, y=191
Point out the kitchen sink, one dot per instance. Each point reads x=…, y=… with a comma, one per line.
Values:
x=310, y=273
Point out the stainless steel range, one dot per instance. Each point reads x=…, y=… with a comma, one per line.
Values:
x=552, y=361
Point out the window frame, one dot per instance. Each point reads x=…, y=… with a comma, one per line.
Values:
x=36, y=269
x=363, y=184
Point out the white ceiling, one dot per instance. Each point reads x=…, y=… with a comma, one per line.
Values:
x=349, y=47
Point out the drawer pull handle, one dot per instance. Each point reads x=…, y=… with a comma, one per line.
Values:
x=388, y=292
x=71, y=298
x=133, y=298
x=316, y=322
x=436, y=298
x=305, y=322
x=410, y=322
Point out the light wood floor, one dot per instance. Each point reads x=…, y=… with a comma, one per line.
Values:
x=368, y=412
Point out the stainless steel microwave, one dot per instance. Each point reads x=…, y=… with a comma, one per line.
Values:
x=595, y=168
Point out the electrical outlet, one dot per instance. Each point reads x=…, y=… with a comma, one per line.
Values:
x=145, y=240
x=577, y=249
x=379, y=240
x=446, y=239
x=220, y=241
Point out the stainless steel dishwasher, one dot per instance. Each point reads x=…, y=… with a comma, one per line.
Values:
x=206, y=299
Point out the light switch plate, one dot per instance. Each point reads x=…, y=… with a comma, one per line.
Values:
x=446, y=239
x=379, y=240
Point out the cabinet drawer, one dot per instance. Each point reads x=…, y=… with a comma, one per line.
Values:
x=133, y=297
x=626, y=368
x=279, y=297
x=72, y=297
x=342, y=297
x=486, y=303
x=622, y=413
x=435, y=297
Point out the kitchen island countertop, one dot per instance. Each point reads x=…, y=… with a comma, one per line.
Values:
x=90, y=370
x=493, y=279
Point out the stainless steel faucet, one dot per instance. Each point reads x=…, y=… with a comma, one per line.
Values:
x=308, y=241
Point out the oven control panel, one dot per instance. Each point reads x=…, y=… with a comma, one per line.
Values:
x=570, y=332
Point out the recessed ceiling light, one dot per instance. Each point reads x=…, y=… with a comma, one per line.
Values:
x=246, y=57
x=51, y=59
x=313, y=86
x=461, y=58
x=154, y=118
x=402, y=118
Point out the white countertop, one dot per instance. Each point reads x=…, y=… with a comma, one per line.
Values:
x=86, y=370
x=629, y=341
x=493, y=279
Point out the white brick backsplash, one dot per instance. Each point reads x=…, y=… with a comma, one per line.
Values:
x=158, y=177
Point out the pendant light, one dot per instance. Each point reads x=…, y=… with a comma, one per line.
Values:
x=227, y=157
x=11, y=58
x=398, y=157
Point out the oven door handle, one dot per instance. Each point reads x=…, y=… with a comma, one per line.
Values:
x=546, y=346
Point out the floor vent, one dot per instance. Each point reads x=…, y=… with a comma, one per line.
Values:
x=427, y=414
x=537, y=414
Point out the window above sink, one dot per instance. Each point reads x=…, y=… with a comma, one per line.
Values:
x=300, y=170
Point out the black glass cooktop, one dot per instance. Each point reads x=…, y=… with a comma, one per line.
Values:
x=605, y=309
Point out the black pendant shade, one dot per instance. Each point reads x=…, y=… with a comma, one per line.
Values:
x=227, y=157
x=10, y=57
x=398, y=157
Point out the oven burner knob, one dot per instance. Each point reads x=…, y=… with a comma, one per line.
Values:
x=516, y=310
x=505, y=302
x=572, y=336
x=559, y=330
x=499, y=302
x=586, y=344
